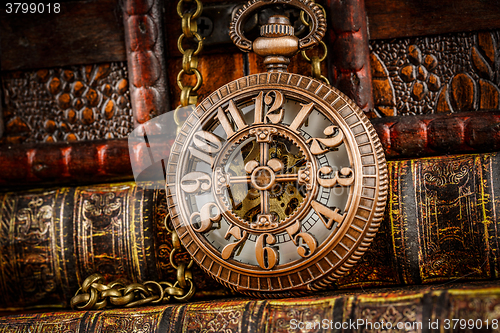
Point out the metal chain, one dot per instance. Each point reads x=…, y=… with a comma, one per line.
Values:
x=189, y=56
x=95, y=294
x=315, y=61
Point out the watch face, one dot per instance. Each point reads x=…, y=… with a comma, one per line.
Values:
x=276, y=183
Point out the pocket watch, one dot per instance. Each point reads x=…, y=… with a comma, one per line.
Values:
x=276, y=182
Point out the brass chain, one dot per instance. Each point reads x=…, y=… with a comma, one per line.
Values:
x=315, y=61
x=95, y=294
x=189, y=57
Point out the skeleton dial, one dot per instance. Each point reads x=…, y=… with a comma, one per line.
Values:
x=265, y=183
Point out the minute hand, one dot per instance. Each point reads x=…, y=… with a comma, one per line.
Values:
x=299, y=162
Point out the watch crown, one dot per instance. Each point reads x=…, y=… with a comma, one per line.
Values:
x=277, y=43
x=278, y=26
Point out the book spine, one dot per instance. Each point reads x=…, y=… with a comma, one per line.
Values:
x=77, y=162
x=50, y=240
x=439, y=134
x=61, y=163
x=440, y=224
x=474, y=308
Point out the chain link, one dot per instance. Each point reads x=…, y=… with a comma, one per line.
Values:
x=189, y=56
x=315, y=61
x=183, y=289
x=95, y=294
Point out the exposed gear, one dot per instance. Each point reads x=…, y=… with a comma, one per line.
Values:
x=242, y=200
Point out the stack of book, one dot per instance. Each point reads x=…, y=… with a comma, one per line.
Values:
x=440, y=227
x=435, y=262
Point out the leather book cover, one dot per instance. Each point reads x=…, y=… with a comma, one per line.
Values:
x=52, y=239
x=440, y=225
x=474, y=307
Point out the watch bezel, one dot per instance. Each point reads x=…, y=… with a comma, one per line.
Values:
x=356, y=128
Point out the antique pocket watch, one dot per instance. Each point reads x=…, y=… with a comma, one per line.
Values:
x=276, y=183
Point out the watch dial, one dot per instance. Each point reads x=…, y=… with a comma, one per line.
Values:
x=268, y=185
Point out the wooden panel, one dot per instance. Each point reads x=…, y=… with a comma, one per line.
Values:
x=172, y=24
x=2, y=129
x=216, y=70
x=82, y=33
x=90, y=32
x=298, y=64
x=349, y=53
x=396, y=18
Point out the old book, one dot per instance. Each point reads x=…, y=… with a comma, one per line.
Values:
x=419, y=309
x=441, y=225
x=52, y=239
x=32, y=165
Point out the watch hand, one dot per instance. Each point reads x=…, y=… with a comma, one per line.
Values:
x=275, y=146
x=298, y=163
